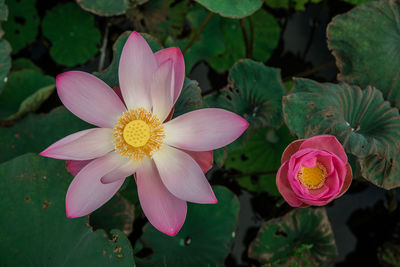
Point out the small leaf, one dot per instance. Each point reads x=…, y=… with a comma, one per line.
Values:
x=73, y=35
x=22, y=25
x=204, y=240
x=302, y=235
x=36, y=132
x=365, y=44
x=104, y=7
x=232, y=8
x=110, y=75
x=117, y=213
x=25, y=91
x=261, y=153
x=38, y=231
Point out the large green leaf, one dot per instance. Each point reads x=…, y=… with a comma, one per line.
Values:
x=24, y=63
x=104, y=7
x=262, y=153
x=209, y=43
x=365, y=42
x=36, y=132
x=232, y=8
x=110, y=75
x=254, y=92
x=363, y=122
x=25, y=91
x=357, y=2
x=366, y=125
x=301, y=236
x=73, y=35
x=22, y=25
x=286, y=4
x=5, y=62
x=35, y=229
x=204, y=240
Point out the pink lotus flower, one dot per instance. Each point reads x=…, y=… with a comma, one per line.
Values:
x=314, y=171
x=168, y=158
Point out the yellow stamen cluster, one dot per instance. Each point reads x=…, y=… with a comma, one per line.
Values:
x=138, y=134
x=312, y=178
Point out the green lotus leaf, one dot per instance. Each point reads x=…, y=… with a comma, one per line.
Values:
x=363, y=122
x=357, y=2
x=302, y=237
x=190, y=98
x=38, y=233
x=74, y=37
x=24, y=92
x=104, y=7
x=110, y=75
x=3, y=15
x=204, y=240
x=232, y=8
x=261, y=153
x=36, y=132
x=24, y=63
x=365, y=43
x=254, y=92
x=22, y=25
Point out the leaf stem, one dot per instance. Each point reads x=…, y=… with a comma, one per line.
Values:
x=103, y=48
x=198, y=31
x=246, y=39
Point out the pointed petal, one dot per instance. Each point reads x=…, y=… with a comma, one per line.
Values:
x=122, y=172
x=284, y=186
x=86, y=193
x=292, y=148
x=182, y=176
x=175, y=54
x=89, y=98
x=164, y=211
x=75, y=166
x=136, y=68
x=84, y=145
x=204, y=129
x=326, y=142
x=161, y=90
x=203, y=158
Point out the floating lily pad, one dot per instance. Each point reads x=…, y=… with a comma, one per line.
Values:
x=189, y=99
x=110, y=75
x=363, y=122
x=261, y=153
x=72, y=33
x=36, y=132
x=301, y=236
x=22, y=25
x=254, y=92
x=104, y=7
x=5, y=62
x=286, y=4
x=34, y=216
x=204, y=240
x=25, y=91
x=232, y=8
x=365, y=43
x=117, y=213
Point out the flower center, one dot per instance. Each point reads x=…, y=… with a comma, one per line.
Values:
x=312, y=178
x=138, y=134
